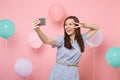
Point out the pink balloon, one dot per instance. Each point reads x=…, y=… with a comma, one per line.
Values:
x=34, y=40
x=56, y=12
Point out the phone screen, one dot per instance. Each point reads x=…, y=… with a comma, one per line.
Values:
x=43, y=21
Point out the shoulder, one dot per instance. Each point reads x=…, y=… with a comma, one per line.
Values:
x=59, y=41
x=85, y=35
x=59, y=37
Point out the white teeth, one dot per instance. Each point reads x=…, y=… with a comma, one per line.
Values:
x=68, y=30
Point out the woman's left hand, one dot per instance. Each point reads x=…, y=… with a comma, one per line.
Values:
x=78, y=25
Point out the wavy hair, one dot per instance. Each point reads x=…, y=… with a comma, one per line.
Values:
x=78, y=35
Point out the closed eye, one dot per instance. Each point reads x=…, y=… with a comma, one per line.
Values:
x=65, y=24
x=70, y=24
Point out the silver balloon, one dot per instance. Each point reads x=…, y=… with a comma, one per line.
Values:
x=96, y=39
x=23, y=67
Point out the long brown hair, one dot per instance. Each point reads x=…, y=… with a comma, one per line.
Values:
x=78, y=35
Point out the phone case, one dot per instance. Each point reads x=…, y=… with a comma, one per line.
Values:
x=43, y=21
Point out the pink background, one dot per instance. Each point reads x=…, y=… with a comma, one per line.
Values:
x=93, y=66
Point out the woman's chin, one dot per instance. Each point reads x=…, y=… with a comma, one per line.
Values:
x=69, y=34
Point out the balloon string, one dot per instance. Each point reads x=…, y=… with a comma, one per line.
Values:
x=6, y=45
x=58, y=28
x=115, y=75
x=93, y=64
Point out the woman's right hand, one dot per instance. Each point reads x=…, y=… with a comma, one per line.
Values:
x=35, y=23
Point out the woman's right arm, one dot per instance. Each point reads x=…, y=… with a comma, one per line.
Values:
x=45, y=39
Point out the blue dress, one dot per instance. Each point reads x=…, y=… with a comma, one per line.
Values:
x=65, y=57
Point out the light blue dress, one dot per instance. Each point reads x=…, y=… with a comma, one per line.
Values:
x=69, y=57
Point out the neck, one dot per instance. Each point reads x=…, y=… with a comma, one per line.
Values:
x=72, y=37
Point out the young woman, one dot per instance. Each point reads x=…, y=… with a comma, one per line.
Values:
x=69, y=47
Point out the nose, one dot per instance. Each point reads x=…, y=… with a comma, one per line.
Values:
x=67, y=26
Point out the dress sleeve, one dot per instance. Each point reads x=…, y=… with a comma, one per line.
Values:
x=84, y=36
x=59, y=41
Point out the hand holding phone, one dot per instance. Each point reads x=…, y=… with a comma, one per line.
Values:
x=42, y=22
x=38, y=22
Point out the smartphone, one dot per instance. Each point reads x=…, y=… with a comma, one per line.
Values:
x=43, y=21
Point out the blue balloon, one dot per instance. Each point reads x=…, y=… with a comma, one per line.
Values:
x=7, y=28
x=113, y=57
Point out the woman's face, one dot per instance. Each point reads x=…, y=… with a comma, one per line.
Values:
x=70, y=27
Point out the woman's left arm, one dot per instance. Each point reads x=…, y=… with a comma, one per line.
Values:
x=93, y=29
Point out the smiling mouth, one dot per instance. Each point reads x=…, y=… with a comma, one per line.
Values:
x=68, y=30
